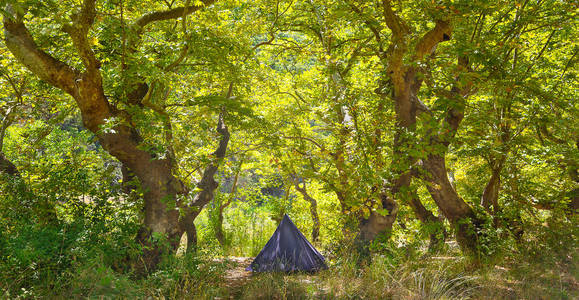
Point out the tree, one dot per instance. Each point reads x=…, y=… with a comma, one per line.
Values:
x=402, y=81
x=325, y=129
x=114, y=122
x=411, y=60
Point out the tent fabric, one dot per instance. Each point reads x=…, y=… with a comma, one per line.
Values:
x=288, y=250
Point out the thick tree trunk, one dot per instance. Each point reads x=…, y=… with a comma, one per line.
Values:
x=405, y=80
x=161, y=218
x=406, y=84
x=122, y=140
x=187, y=225
x=453, y=207
x=376, y=224
x=402, y=86
x=159, y=184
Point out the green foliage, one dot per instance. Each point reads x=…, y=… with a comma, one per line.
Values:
x=38, y=256
x=307, y=92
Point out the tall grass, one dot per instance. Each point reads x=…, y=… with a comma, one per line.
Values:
x=277, y=286
x=447, y=276
x=350, y=279
x=246, y=228
x=383, y=280
x=183, y=277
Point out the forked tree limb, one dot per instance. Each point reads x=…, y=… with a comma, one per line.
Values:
x=20, y=42
x=173, y=13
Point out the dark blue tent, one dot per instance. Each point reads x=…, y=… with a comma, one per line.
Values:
x=288, y=250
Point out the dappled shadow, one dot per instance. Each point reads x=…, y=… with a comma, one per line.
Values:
x=235, y=276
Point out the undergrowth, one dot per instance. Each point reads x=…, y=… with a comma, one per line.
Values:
x=91, y=258
x=444, y=276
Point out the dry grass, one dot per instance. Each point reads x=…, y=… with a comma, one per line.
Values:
x=349, y=280
x=381, y=280
x=445, y=276
x=451, y=278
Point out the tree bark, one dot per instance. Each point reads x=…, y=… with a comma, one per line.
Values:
x=490, y=194
x=219, y=232
x=401, y=85
x=376, y=224
x=453, y=207
x=438, y=233
x=206, y=185
x=313, y=209
x=122, y=140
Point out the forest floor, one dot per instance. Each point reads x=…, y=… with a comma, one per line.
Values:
x=381, y=281
x=236, y=276
x=241, y=284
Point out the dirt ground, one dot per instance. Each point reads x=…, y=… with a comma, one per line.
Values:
x=236, y=276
